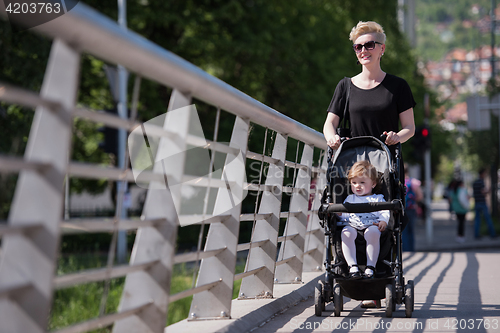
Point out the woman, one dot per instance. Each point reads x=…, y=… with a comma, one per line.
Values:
x=460, y=205
x=378, y=102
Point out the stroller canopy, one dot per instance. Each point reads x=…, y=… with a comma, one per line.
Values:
x=360, y=149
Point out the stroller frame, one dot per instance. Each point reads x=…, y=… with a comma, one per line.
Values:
x=390, y=285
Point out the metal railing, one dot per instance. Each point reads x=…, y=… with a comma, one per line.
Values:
x=31, y=237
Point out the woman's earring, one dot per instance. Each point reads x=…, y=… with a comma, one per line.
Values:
x=357, y=62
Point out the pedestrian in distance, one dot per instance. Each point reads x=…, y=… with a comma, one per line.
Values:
x=460, y=205
x=480, y=207
x=447, y=196
x=413, y=196
x=363, y=179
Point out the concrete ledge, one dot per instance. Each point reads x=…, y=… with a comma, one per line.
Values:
x=249, y=314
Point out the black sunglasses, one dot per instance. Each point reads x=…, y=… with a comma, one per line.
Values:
x=368, y=46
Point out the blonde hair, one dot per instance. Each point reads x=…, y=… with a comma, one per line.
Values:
x=363, y=168
x=370, y=27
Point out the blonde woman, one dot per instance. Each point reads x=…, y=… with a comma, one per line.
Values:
x=378, y=102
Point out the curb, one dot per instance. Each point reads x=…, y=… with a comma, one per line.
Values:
x=262, y=315
x=249, y=314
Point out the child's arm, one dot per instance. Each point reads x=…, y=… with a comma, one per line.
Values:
x=382, y=216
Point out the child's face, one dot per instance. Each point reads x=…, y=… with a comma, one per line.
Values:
x=362, y=185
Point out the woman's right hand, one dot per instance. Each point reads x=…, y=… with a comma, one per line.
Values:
x=334, y=141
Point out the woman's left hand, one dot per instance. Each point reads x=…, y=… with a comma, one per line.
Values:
x=392, y=138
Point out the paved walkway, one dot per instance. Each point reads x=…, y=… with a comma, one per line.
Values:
x=455, y=290
x=445, y=232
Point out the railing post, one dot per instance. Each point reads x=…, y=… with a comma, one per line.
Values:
x=157, y=243
x=30, y=258
x=291, y=271
x=261, y=284
x=315, y=239
x=216, y=302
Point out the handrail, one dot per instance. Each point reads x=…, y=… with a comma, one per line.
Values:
x=99, y=274
x=7, y=291
x=193, y=291
x=106, y=224
x=248, y=273
x=192, y=256
x=12, y=164
x=143, y=56
x=285, y=238
x=8, y=229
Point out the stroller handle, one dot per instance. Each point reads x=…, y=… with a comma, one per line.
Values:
x=364, y=207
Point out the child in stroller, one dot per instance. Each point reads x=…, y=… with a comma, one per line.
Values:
x=387, y=280
x=363, y=179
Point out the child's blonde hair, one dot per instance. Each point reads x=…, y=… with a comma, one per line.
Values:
x=370, y=27
x=363, y=168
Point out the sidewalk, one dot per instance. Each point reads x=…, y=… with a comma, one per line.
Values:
x=445, y=232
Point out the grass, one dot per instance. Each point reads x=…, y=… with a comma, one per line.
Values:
x=82, y=302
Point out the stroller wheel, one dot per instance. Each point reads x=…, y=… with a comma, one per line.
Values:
x=409, y=300
x=389, y=300
x=338, y=300
x=412, y=284
x=319, y=300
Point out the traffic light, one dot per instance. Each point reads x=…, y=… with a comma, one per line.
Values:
x=421, y=141
x=110, y=142
x=426, y=137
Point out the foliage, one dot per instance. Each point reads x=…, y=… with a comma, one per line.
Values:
x=79, y=303
x=442, y=27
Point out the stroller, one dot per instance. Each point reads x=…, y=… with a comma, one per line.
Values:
x=388, y=281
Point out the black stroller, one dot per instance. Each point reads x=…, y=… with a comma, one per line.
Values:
x=388, y=282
